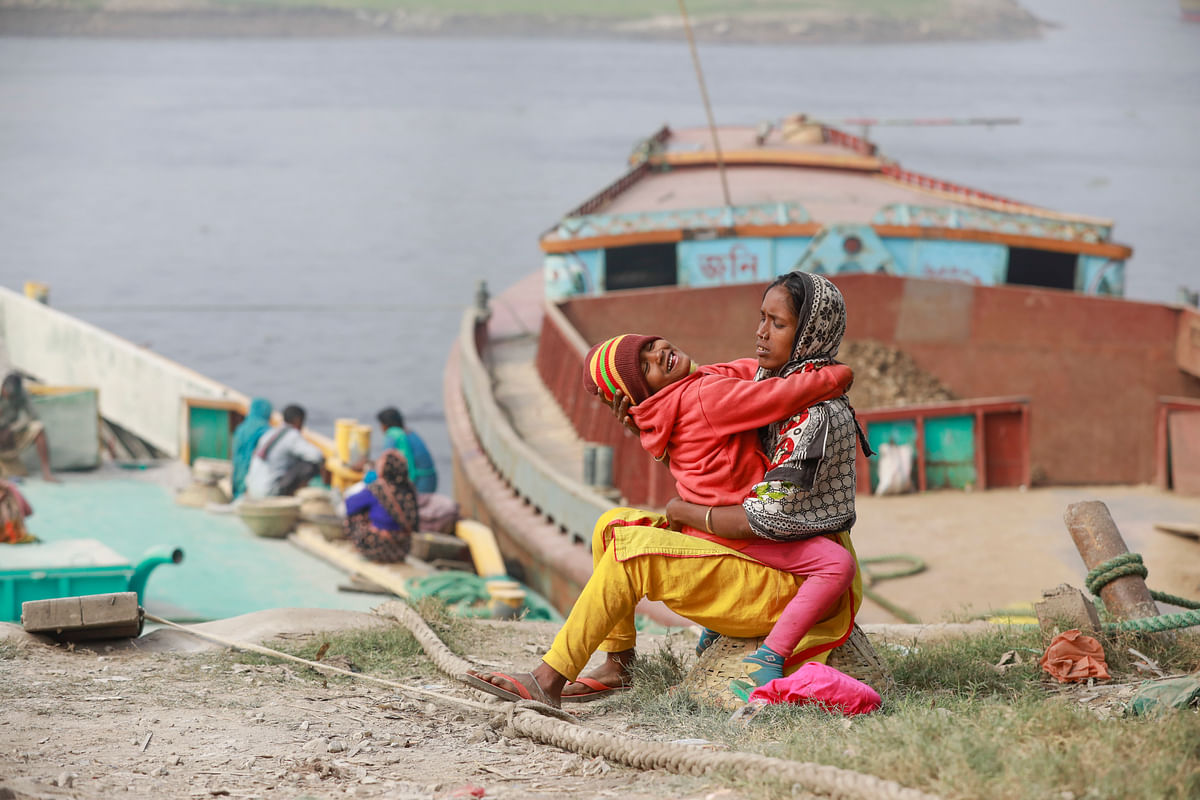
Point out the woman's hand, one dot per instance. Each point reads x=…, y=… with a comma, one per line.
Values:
x=675, y=507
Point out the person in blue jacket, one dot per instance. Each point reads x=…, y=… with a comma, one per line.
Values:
x=421, y=470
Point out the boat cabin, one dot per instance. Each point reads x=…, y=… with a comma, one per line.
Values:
x=801, y=195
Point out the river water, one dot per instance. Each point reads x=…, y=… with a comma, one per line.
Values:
x=306, y=219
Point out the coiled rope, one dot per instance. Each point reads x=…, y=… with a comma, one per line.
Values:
x=872, y=576
x=555, y=727
x=1131, y=564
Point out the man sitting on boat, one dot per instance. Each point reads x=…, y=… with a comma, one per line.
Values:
x=284, y=460
x=20, y=427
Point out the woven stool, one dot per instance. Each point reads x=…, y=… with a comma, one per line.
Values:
x=858, y=659
x=708, y=680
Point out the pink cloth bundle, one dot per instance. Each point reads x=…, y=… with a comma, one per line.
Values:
x=821, y=684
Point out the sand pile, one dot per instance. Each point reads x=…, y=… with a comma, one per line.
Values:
x=885, y=376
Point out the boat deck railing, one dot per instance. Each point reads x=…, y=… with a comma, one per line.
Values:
x=547, y=486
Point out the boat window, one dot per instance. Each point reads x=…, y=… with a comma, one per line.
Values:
x=639, y=266
x=1029, y=267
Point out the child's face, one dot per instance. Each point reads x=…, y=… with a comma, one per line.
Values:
x=663, y=364
x=776, y=329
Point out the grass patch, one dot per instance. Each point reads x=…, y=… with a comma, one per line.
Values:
x=392, y=653
x=958, y=727
x=966, y=667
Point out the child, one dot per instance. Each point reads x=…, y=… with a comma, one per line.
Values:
x=705, y=421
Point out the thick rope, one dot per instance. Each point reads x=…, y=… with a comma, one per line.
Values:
x=562, y=730
x=529, y=720
x=1131, y=564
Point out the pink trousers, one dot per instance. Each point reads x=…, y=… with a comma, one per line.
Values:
x=828, y=570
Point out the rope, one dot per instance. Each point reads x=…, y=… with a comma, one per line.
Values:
x=915, y=565
x=1128, y=564
x=562, y=730
x=712, y=123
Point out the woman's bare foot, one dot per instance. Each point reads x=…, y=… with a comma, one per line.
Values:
x=616, y=671
x=543, y=684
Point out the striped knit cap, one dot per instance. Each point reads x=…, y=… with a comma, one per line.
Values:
x=613, y=366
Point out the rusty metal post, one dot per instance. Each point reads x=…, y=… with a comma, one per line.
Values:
x=1098, y=540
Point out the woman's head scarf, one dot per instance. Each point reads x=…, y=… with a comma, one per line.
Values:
x=394, y=491
x=820, y=323
x=245, y=438
x=798, y=497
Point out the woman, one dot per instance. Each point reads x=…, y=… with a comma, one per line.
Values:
x=382, y=517
x=635, y=553
x=245, y=439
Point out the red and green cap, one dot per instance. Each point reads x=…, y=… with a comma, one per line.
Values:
x=613, y=366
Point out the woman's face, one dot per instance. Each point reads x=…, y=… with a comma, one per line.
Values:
x=776, y=329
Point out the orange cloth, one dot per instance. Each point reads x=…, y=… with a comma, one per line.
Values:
x=1072, y=656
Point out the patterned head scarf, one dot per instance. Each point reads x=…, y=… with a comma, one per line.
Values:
x=820, y=323
x=809, y=485
x=394, y=490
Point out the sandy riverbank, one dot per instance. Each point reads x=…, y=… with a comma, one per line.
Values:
x=945, y=21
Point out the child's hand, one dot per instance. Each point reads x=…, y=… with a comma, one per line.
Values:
x=620, y=408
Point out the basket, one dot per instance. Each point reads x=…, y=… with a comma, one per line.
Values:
x=272, y=517
x=199, y=495
x=330, y=526
x=719, y=665
x=858, y=659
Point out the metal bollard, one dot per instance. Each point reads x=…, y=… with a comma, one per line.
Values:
x=603, y=470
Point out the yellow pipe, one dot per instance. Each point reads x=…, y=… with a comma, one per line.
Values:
x=342, y=429
x=360, y=437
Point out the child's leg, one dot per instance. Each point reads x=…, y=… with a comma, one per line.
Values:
x=828, y=570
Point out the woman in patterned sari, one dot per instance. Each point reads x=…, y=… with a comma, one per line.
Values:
x=382, y=517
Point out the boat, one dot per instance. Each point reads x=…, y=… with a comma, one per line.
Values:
x=166, y=428
x=1019, y=310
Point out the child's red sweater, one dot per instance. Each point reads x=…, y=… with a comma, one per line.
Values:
x=707, y=423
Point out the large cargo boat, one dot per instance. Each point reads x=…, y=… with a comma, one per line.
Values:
x=1017, y=309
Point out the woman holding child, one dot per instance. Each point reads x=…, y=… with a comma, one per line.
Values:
x=714, y=571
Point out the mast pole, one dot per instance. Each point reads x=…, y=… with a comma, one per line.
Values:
x=712, y=125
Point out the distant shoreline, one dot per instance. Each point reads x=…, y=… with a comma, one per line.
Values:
x=963, y=20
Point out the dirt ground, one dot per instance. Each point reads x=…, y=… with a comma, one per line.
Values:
x=176, y=717
x=1002, y=548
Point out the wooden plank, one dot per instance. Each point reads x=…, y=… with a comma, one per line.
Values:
x=342, y=555
x=102, y=615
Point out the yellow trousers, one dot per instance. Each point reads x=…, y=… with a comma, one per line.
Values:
x=634, y=555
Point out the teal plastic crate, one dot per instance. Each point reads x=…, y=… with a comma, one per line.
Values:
x=71, y=568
